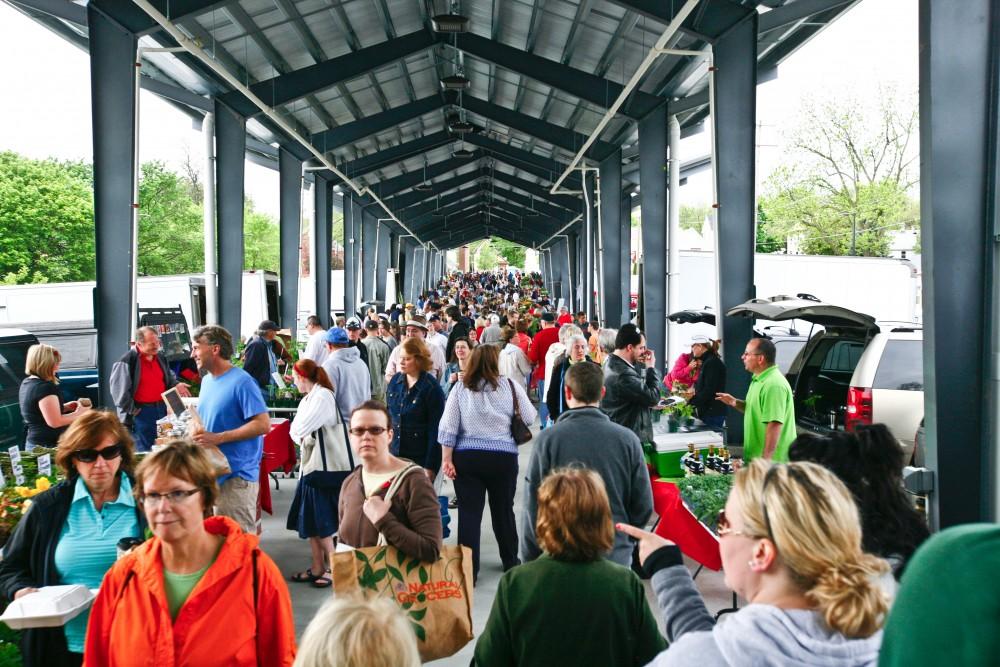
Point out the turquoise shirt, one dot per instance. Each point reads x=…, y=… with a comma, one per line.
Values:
x=87, y=545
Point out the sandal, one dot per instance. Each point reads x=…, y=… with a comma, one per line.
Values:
x=322, y=581
x=305, y=577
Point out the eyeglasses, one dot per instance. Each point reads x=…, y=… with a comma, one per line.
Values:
x=751, y=354
x=172, y=497
x=90, y=455
x=374, y=430
x=723, y=528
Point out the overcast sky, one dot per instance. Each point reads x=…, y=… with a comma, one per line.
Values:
x=47, y=84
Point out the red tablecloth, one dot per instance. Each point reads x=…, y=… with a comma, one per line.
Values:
x=680, y=526
x=279, y=453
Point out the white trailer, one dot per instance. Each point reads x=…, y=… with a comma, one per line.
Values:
x=73, y=303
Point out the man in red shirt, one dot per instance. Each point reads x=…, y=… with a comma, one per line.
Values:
x=138, y=381
x=548, y=334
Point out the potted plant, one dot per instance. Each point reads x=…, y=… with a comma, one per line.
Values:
x=685, y=414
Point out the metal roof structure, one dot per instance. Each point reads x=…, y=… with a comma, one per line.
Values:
x=361, y=80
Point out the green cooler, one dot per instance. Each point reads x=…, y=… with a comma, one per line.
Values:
x=670, y=447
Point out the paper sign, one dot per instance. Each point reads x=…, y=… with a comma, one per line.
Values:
x=45, y=464
x=278, y=380
x=3, y=480
x=18, y=470
x=19, y=480
x=15, y=454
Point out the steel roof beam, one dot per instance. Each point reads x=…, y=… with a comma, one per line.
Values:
x=568, y=202
x=419, y=215
x=396, y=154
x=374, y=123
x=515, y=156
x=402, y=201
x=556, y=135
x=435, y=203
x=295, y=85
x=391, y=186
x=794, y=12
x=586, y=86
x=710, y=19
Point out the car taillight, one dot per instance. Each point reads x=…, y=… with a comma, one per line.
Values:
x=859, y=407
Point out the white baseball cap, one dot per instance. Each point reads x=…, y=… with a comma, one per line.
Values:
x=700, y=339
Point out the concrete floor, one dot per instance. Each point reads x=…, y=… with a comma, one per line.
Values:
x=292, y=555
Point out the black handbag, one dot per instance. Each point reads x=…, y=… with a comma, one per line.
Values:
x=326, y=480
x=518, y=428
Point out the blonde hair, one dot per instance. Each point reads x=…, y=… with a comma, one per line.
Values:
x=811, y=518
x=41, y=362
x=574, y=516
x=354, y=632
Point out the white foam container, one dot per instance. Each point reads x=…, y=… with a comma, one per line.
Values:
x=49, y=607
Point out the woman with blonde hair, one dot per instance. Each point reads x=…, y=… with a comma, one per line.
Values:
x=541, y=605
x=790, y=538
x=42, y=408
x=354, y=632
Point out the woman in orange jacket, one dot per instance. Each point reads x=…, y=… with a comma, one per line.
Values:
x=200, y=592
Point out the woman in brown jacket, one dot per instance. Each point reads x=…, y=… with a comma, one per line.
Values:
x=410, y=519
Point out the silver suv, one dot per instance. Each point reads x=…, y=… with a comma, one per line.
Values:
x=854, y=371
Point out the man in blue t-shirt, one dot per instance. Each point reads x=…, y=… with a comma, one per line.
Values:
x=235, y=419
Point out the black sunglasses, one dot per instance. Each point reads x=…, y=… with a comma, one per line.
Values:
x=90, y=455
x=374, y=430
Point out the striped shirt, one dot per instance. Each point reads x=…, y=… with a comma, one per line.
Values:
x=481, y=419
x=87, y=545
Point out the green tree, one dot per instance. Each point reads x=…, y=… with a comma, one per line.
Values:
x=171, y=231
x=261, y=241
x=514, y=253
x=847, y=186
x=46, y=220
x=693, y=217
x=765, y=241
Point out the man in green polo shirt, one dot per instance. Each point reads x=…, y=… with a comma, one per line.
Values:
x=768, y=411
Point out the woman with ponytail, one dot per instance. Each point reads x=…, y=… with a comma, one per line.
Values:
x=790, y=539
x=319, y=430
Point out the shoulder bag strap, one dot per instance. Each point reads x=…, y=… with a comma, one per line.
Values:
x=397, y=480
x=253, y=556
x=347, y=441
x=513, y=397
x=322, y=446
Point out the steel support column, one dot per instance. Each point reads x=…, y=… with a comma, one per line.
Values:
x=323, y=215
x=384, y=261
x=653, y=180
x=960, y=218
x=589, y=242
x=625, y=233
x=351, y=212
x=369, y=237
x=615, y=287
x=735, y=115
x=410, y=261
x=112, y=86
x=230, y=149
x=290, y=232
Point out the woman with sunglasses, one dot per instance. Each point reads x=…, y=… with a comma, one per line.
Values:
x=72, y=531
x=790, y=540
x=387, y=495
x=201, y=591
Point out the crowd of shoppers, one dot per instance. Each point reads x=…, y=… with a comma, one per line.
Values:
x=820, y=547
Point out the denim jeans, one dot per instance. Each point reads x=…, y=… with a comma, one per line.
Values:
x=144, y=426
x=543, y=408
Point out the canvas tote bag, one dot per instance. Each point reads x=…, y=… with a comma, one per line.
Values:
x=435, y=597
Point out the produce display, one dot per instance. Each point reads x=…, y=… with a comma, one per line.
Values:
x=706, y=495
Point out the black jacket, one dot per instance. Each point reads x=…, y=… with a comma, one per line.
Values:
x=711, y=381
x=629, y=395
x=125, y=377
x=555, y=397
x=256, y=361
x=29, y=561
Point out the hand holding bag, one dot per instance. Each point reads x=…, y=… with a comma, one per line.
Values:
x=436, y=598
x=518, y=428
